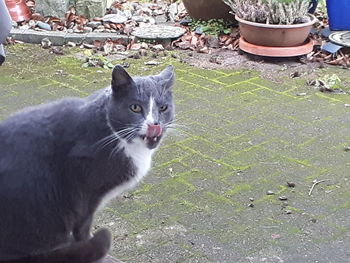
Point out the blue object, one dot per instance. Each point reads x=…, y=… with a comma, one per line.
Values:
x=338, y=14
x=313, y=6
x=199, y=30
x=43, y=25
x=331, y=48
x=326, y=32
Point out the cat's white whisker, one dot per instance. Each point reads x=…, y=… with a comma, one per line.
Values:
x=104, y=142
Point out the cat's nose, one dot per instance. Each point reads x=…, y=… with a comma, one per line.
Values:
x=154, y=130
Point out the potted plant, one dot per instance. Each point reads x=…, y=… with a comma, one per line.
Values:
x=273, y=23
x=207, y=9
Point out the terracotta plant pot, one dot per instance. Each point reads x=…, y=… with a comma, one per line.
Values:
x=265, y=51
x=208, y=9
x=18, y=10
x=275, y=35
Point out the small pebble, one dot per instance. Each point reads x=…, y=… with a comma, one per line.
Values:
x=125, y=65
x=57, y=50
x=143, y=53
x=144, y=45
x=32, y=23
x=46, y=43
x=152, y=63
x=186, y=21
x=89, y=46
x=283, y=198
x=71, y=44
x=284, y=204
x=158, y=47
x=290, y=184
x=136, y=56
x=314, y=220
x=295, y=74
x=301, y=94
x=270, y=192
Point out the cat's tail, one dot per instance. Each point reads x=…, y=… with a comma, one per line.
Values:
x=88, y=251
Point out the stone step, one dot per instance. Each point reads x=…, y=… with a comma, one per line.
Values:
x=59, y=38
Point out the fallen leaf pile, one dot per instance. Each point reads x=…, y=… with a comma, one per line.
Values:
x=204, y=43
x=191, y=40
x=340, y=58
x=73, y=22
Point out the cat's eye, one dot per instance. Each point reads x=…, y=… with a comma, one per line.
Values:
x=135, y=108
x=163, y=108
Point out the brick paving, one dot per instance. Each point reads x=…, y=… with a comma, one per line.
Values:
x=238, y=136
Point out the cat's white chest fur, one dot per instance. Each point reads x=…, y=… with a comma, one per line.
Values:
x=141, y=158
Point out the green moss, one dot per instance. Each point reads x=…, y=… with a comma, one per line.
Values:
x=238, y=188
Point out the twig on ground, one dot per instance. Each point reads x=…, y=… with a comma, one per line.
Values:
x=315, y=182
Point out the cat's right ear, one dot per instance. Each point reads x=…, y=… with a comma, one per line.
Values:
x=120, y=78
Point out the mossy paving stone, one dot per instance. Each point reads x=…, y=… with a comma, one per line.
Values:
x=110, y=259
x=239, y=135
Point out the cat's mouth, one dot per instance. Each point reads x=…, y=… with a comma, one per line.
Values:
x=153, y=135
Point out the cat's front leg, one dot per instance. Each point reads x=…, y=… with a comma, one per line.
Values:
x=81, y=230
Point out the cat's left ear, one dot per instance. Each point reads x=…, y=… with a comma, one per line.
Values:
x=168, y=76
x=120, y=78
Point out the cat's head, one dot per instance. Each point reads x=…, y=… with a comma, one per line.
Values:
x=141, y=109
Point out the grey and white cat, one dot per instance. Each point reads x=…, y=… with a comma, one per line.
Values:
x=62, y=161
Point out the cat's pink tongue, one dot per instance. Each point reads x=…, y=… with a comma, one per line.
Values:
x=154, y=131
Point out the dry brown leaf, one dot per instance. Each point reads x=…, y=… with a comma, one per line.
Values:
x=224, y=38
x=37, y=17
x=184, y=45
x=135, y=46
x=228, y=41
x=204, y=50
x=127, y=29
x=30, y=3
x=194, y=41
x=108, y=47
x=98, y=44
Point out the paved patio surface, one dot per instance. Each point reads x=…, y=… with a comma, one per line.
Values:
x=239, y=136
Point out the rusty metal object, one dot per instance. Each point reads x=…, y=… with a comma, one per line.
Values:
x=18, y=9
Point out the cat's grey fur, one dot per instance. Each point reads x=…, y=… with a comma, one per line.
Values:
x=60, y=162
